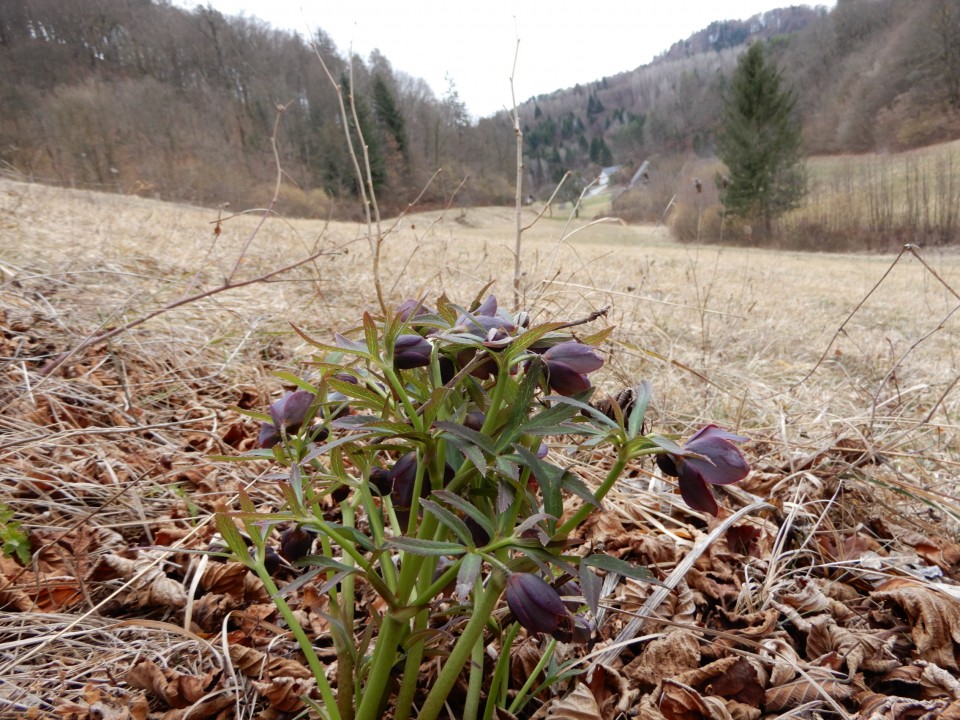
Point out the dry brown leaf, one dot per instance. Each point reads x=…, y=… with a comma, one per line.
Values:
x=98, y=705
x=882, y=707
x=284, y=693
x=206, y=709
x=227, y=578
x=751, y=625
x=149, y=585
x=612, y=691
x=682, y=702
x=175, y=689
x=864, y=648
x=667, y=656
x=579, y=704
x=256, y=664
x=779, y=654
x=937, y=682
x=933, y=616
x=804, y=690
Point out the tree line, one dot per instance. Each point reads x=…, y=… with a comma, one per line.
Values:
x=140, y=96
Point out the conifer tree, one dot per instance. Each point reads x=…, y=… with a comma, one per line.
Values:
x=760, y=142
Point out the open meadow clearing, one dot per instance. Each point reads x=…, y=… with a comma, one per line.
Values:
x=841, y=369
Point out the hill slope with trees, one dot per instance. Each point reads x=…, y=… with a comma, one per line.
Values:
x=139, y=96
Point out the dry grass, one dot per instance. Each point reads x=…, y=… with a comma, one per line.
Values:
x=121, y=439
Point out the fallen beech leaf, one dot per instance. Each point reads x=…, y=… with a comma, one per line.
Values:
x=682, y=702
x=934, y=617
x=864, y=648
x=667, y=656
x=175, y=689
x=256, y=664
x=580, y=704
x=802, y=691
x=149, y=585
x=225, y=579
x=285, y=693
x=612, y=691
x=778, y=653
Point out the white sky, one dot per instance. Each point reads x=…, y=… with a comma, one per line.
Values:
x=562, y=42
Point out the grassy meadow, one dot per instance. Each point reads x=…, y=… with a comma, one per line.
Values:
x=842, y=370
x=733, y=335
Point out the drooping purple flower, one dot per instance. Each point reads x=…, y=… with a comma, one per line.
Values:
x=411, y=351
x=295, y=543
x=709, y=457
x=288, y=413
x=488, y=323
x=537, y=606
x=568, y=364
x=411, y=307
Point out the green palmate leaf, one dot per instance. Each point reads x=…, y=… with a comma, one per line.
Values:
x=532, y=335
x=462, y=431
x=467, y=575
x=356, y=391
x=351, y=533
x=548, y=478
x=232, y=537
x=326, y=347
x=296, y=380
x=418, y=546
x=621, y=567
x=467, y=509
x=644, y=392
x=450, y=521
x=584, y=406
x=590, y=586
x=666, y=444
x=547, y=421
x=574, y=484
x=471, y=452
x=370, y=335
x=599, y=337
x=317, y=452
x=518, y=420
x=354, y=347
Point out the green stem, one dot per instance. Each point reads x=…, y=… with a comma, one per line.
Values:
x=472, y=633
x=472, y=703
x=581, y=514
x=319, y=671
x=518, y=701
x=345, y=667
x=497, y=695
x=384, y=656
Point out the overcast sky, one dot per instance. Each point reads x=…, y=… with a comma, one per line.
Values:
x=562, y=42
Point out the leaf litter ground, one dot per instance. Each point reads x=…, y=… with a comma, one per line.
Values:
x=827, y=587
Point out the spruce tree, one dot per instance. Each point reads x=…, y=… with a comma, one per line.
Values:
x=760, y=142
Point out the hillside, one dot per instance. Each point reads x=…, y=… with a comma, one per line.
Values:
x=149, y=99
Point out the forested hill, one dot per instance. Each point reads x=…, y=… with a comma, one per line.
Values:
x=140, y=96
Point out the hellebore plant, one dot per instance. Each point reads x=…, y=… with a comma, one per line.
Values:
x=416, y=468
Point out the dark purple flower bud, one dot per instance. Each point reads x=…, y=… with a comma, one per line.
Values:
x=567, y=366
x=487, y=307
x=474, y=420
x=381, y=480
x=291, y=410
x=411, y=351
x=295, y=543
x=542, y=451
x=708, y=458
x=288, y=412
x=271, y=561
x=536, y=605
x=479, y=536
x=403, y=476
x=407, y=307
